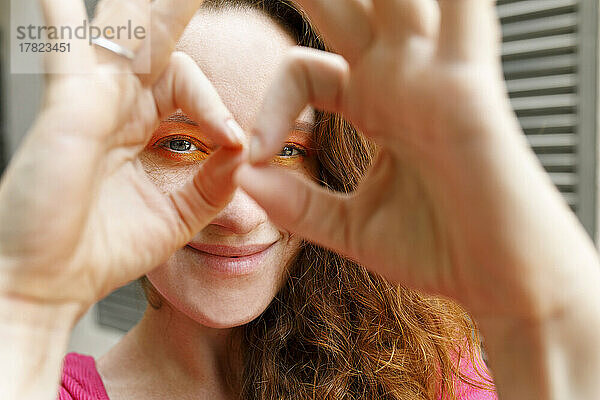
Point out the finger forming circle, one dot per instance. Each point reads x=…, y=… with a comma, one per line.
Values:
x=307, y=77
x=67, y=14
x=184, y=87
x=402, y=18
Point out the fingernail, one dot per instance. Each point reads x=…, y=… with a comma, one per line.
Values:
x=236, y=131
x=255, y=148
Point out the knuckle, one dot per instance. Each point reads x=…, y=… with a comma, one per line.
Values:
x=292, y=65
x=296, y=69
x=296, y=62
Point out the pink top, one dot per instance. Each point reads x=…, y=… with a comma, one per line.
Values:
x=81, y=381
x=468, y=392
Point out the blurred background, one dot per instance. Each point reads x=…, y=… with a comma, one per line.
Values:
x=551, y=63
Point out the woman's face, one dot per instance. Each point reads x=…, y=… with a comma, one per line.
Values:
x=231, y=270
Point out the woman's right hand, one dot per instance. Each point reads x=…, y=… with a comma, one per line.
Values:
x=78, y=214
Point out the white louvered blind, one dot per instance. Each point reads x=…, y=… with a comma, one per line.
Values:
x=550, y=58
x=549, y=55
x=123, y=308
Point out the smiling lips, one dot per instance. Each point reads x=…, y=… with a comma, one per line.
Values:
x=230, y=251
x=230, y=260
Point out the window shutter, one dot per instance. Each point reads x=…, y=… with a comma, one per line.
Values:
x=123, y=308
x=550, y=48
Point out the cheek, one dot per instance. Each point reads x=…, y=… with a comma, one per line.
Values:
x=167, y=176
x=223, y=303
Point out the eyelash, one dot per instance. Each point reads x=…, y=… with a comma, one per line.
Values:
x=301, y=151
x=197, y=146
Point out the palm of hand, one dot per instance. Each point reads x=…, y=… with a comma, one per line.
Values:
x=401, y=214
x=79, y=216
x=131, y=224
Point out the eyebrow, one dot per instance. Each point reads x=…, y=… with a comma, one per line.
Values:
x=301, y=126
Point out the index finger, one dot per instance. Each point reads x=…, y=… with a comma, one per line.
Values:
x=306, y=77
x=169, y=19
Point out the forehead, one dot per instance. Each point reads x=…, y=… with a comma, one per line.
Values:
x=239, y=50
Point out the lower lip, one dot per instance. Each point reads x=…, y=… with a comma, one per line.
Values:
x=230, y=266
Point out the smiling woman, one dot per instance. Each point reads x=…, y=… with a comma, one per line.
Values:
x=298, y=313
x=316, y=256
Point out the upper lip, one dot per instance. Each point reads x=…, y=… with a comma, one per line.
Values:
x=230, y=251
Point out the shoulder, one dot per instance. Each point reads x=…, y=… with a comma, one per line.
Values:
x=80, y=379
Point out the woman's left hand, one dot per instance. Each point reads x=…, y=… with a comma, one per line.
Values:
x=456, y=203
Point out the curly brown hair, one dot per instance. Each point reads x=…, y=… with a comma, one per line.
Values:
x=336, y=330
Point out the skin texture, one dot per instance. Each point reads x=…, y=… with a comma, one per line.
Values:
x=190, y=333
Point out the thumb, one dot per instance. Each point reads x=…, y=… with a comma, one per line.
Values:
x=211, y=189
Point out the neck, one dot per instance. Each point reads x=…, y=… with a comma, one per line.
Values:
x=169, y=350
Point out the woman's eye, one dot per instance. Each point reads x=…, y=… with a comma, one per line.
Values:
x=179, y=145
x=291, y=151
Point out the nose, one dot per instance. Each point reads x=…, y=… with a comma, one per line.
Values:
x=240, y=217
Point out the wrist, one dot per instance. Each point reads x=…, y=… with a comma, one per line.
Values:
x=518, y=228
x=549, y=356
x=33, y=342
x=47, y=317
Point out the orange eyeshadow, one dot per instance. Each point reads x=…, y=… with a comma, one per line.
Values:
x=299, y=141
x=171, y=131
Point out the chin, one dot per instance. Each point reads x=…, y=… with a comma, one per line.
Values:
x=221, y=294
x=222, y=312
